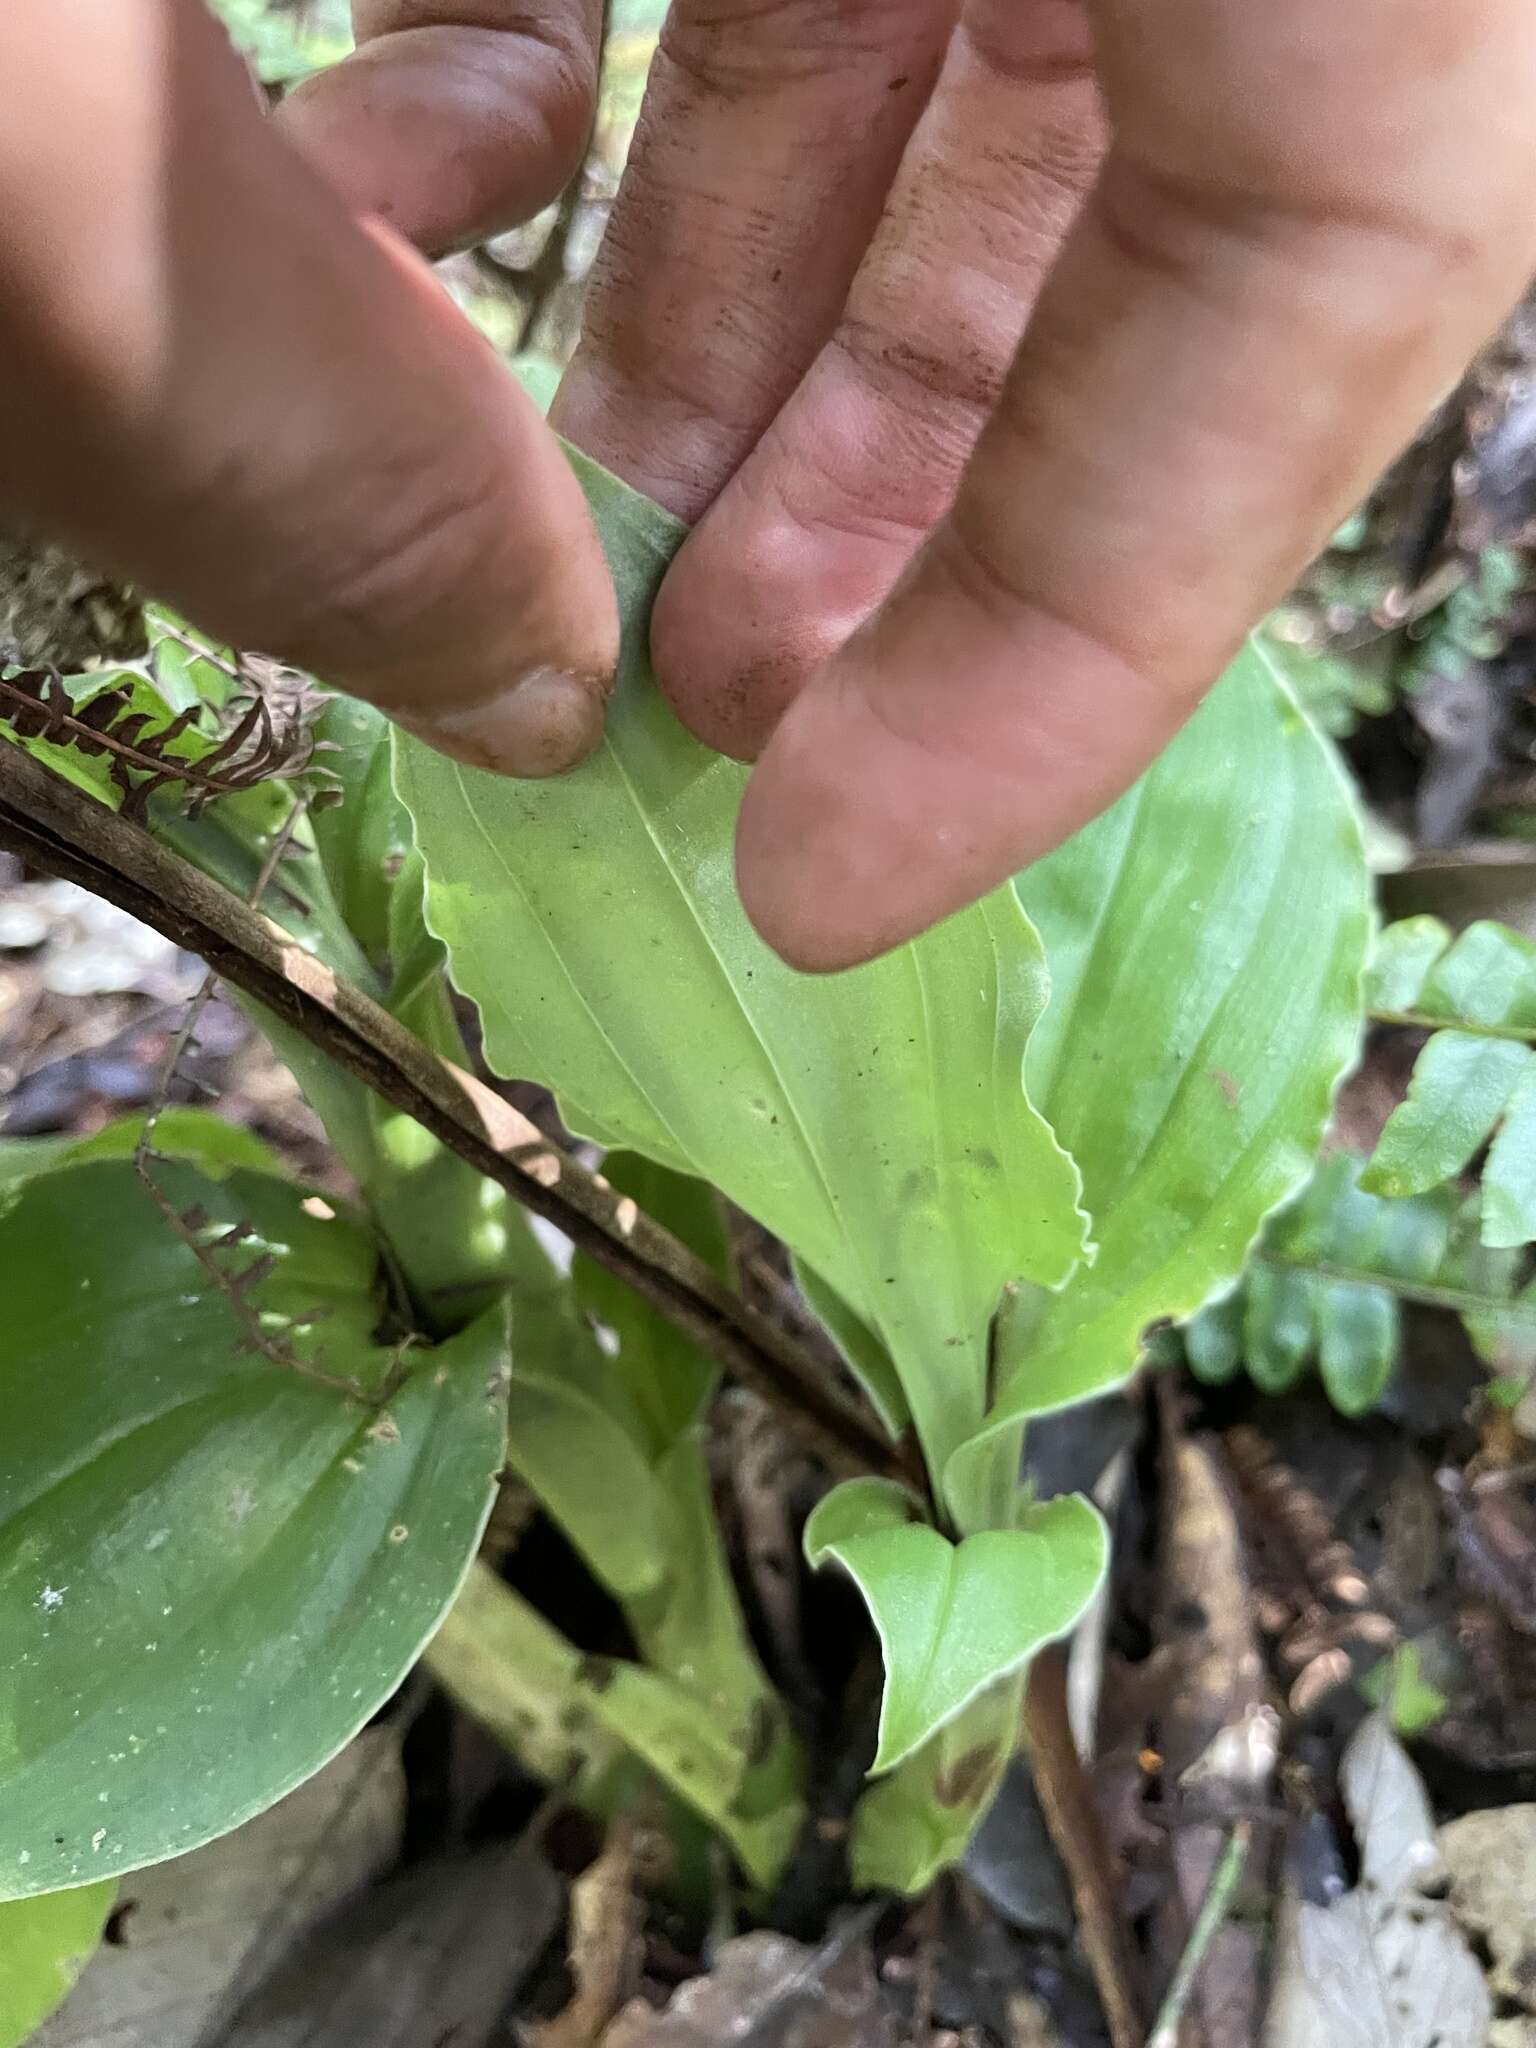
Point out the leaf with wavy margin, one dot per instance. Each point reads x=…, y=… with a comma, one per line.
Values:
x=876, y=1120
x=1206, y=938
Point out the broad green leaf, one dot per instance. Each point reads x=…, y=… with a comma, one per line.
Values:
x=1205, y=940
x=213, y=1569
x=1460, y=1088
x=875, y=1120
x=955, y=1618
x=1509, y=1176
x=917, y=1819
x=190, y=1134
x=45, y=1942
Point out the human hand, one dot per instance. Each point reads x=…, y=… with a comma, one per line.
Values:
x=837, y=220
x=219, y=384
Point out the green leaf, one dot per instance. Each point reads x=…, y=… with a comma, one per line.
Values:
x=206, y=1141
x=362, y=840
x=1484, y=981
x=1279, y=1328
x=1400, y=962
x=567, y=1712
x=610, y=1444
x=1509, y=1176
x=1213, y=1342
x=575, y=1437
x=1205, y=940
x=1460, y=1088
x=668, y=1378
x=1357, y=1339
x=918, y=1821
x=875, y=1120
x=954, y=1618
x=213, y=1569
x=45, y=1942
x=1482, y=1069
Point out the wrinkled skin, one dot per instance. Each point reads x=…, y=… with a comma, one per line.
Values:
x=1012, y=356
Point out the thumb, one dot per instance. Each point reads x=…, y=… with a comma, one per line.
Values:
x=259, y=409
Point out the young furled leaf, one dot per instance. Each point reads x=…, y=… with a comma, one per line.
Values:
x=955, y=1618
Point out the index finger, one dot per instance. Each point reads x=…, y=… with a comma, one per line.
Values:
x=1261, y=301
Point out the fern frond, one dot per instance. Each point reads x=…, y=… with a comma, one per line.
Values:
x=142, y=748
x=1476, y=1077
x=1331, y=1272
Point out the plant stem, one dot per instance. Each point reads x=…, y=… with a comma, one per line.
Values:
x=1214, y=1908
x=67, y=833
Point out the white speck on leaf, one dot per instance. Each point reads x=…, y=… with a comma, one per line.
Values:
x=51, y=1598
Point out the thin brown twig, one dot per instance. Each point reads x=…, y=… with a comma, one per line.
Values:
x=1066, y=1799
x=64, y=831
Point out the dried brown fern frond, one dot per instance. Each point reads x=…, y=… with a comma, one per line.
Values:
x=139, y=752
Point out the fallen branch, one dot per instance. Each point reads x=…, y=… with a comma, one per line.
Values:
x=60, y=829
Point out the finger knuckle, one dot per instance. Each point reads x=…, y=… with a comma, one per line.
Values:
x=735, y=48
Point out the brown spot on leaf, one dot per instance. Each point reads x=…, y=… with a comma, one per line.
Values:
x=966, y=1776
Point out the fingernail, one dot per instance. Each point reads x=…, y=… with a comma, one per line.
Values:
x=549, y=720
